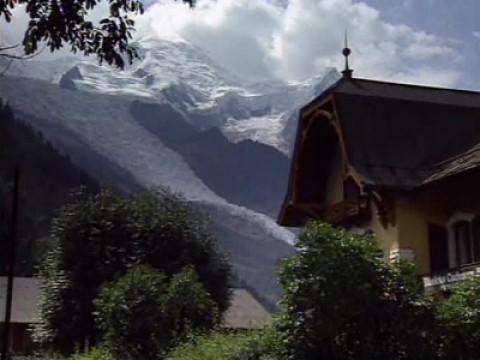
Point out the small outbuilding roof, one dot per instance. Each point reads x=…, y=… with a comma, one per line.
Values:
x=245, y=312
x=26, y=291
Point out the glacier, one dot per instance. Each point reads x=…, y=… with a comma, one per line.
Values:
x=80, y=97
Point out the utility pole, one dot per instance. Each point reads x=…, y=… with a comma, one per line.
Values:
x=11, y=266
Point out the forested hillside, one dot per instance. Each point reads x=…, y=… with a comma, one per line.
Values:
x=47, y=177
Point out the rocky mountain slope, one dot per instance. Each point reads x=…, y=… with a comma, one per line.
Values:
x=176, y=120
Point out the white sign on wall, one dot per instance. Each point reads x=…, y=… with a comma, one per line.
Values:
x=447, y=279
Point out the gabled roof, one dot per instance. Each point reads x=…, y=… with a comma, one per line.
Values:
x=245, y=312
x=26, y=292
x=405, y=136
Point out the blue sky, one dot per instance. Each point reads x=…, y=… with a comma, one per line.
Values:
x=458, y=22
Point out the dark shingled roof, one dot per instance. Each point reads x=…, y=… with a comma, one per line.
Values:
x=405, y=136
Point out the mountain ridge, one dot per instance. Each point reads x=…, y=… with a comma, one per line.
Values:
x=176, y=120
x=103, y=123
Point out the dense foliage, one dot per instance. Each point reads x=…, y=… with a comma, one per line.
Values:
x=98, y=238
x=98, y=353
x=222, y=346
x=130, y=314
x=47, y=177
x=189, y=307
x=343, y=301
x=459, y=321
x=142, y=314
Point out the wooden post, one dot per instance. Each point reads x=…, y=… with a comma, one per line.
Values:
x=11, y=266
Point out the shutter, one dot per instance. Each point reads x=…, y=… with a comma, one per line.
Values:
x=438, y=242
x=476, y=238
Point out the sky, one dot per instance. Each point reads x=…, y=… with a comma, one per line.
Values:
x=432, y=42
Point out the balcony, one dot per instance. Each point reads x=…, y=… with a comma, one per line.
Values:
x=344, y=211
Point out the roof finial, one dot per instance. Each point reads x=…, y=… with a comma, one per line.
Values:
x=347, y=72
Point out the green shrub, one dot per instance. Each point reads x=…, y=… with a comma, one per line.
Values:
x=92, y=354
x=459, y=321
x=143, y=313
x=188, y=306
x=343, y=301
x=130, y=314
x=97, y=238
x=222, y=346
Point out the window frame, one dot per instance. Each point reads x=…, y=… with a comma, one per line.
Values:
x=453, y=244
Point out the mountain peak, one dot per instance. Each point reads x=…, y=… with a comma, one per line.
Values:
x=67, y=81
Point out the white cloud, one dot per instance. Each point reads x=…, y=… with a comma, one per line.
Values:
x=296, y=40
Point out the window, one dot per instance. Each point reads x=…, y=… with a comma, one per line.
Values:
x=463, y=242
x=438, y=241
x=466, y=240
x=476, y=238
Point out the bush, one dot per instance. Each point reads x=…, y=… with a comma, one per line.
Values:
x=222, y=346
x=188, y=306
x=459, y=321
x=130, y=314
x=97, y=238
x=141, y=314
x=93, y=354
x=343, y=301
x=89, y=354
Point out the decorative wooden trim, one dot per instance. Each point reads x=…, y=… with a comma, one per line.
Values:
x=313, y=108
x=343, y=212
x=305, y=121
x=349, y=170
x=386, y=208
x=314, y=210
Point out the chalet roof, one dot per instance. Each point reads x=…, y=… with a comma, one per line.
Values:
x=405, y=136
x=245, y=312
x=26, y=293
x=395, y=136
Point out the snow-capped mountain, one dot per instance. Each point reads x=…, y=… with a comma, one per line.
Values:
x=207, y=94
x=174, y=119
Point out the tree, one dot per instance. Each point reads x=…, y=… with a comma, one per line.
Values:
x=142, y=314
x=97, y=238
x=65, y=22
x=343, y=301
x=188, y=306
x=459, y=321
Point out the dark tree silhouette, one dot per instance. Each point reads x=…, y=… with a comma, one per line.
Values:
x=47, y=180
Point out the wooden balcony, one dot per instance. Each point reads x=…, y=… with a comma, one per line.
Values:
x=343, y=212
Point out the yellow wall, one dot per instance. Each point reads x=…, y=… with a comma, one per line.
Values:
x=387, y=237
x=413, y=212
x=413, y=216
x=410, y=228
